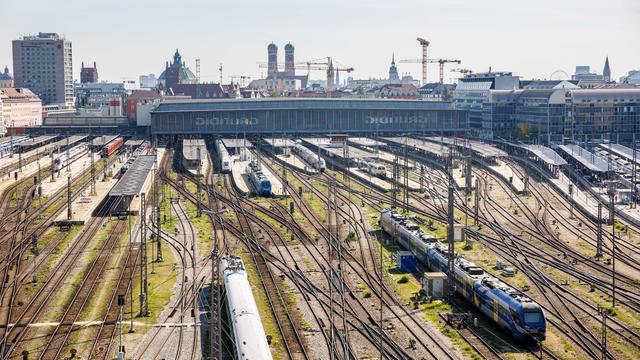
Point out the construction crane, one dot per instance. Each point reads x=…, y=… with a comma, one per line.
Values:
x=241, y=77
x=424, y=61
x=440, y=62
x=425, y=44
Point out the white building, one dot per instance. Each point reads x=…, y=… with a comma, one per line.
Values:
x=20, y=108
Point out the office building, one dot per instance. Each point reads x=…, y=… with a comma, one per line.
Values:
x=6, y=81
x=43, y=64
x=472, y=91
x=558, y=115
x=532, y=116
x=89, y=74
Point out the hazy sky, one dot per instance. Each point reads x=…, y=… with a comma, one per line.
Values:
x=531, y=38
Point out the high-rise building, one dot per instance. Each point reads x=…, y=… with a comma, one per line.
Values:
x=43, y=64
x=148, y=81
x=88, y=74
x=6, y=81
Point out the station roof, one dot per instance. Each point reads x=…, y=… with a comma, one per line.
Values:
x=190, y=148
x=280, y=142
x=73, y=140
x=354, y=153
x=365, y=141
x=134, y=142
x=439, y=150
x=296, y=104
x=37, y=141
x=237, y=143
x=622, y=151
x=102, y=140
x=9, y=139
x=484, y=149
x=587, y=159
x=546, y=154
x=130, y=184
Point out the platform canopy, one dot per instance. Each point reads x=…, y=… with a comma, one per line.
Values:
x=37, y=141
x=586, y=158
x=190, y=149
x=103, y=139
x=237, y=143
x=546, y=154
x=131, y=183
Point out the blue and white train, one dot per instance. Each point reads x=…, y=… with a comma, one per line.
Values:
x=258, y=179
x=250, y=340
x=509, y=308
x=225, y=159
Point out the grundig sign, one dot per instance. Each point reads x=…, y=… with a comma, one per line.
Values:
x=230, y=121
x=252, y=121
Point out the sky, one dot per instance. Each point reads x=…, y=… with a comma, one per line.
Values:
x=533, y=39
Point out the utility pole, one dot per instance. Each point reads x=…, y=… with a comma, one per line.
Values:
x=451, y=248
x=599, y=232
x=198, y=192
x=405, y=196
x=69, y=210
x=215, y=325
x=394, y=183
x=476, y=202
x=157, y=207
x=144, y=290
x=612, y=193
x=603, y=312
x=93, y=174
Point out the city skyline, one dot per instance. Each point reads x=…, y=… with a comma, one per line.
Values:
x=541, y=38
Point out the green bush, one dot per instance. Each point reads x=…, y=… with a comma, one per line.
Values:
x=403, y=280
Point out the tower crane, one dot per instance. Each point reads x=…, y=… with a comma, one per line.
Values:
x=462, y=71
x=440, y=62
x=425, y=44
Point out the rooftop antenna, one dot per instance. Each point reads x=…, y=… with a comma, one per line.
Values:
x=220, y=69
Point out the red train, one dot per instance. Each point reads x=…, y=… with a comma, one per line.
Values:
x=111, y=147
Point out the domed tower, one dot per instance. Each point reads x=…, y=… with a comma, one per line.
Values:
x=289, y=67
x=272, y=51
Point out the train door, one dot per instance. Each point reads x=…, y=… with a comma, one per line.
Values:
x=494, y=307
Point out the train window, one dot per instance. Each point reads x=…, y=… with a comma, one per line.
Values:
x=516, y=318
x=532, y=317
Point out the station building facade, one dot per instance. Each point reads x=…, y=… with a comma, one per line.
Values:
x=561, y=115
x=305, y=116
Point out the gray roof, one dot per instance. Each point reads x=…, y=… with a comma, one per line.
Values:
x=546, y=154
x=237, y=143
x=36, y=141
x=190, y=149
x=102, y=140
x=587, y=159
x=622, y=151
x=298, y=103
x=131, y=183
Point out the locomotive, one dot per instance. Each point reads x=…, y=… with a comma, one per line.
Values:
x=225, y=159
x=258, y=179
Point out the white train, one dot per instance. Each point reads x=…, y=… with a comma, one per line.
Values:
x=225, y=159
x=373, y=168
x=250, y=339
x=310, y=157
x=61, y=160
